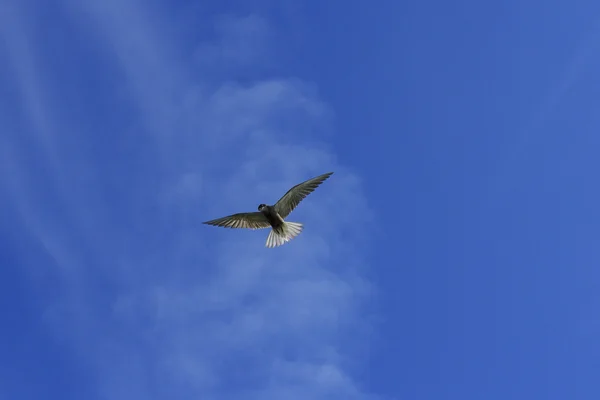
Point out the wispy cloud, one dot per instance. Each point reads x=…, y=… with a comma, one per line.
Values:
x=239, y=42
x=164, y=306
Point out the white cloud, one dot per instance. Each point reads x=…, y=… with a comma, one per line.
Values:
x=168, y=307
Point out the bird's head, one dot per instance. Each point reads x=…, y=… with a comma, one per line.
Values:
x=261, y=206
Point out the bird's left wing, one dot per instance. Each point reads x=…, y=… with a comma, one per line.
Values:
x=252, y=220
x=295, y=195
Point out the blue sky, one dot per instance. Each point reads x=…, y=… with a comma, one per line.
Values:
x=453, y=254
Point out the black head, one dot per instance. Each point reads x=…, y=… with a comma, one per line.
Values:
x=261, y=206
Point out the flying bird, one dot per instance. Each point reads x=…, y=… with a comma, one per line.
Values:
x=274, y=216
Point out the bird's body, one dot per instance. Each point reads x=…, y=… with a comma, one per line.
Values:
x=274, y=216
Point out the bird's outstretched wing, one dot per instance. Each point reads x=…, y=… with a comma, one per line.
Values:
x=251, y=220
x=295, y=195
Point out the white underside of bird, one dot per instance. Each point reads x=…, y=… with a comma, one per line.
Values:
x=287, y=232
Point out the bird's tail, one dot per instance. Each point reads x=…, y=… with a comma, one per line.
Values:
x=285, y=233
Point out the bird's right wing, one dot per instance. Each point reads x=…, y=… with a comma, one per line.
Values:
x=295, y=195
x=252, y=220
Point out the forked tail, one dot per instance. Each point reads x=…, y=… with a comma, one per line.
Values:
x=287, y=232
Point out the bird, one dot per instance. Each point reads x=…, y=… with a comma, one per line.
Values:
x=274, y=216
